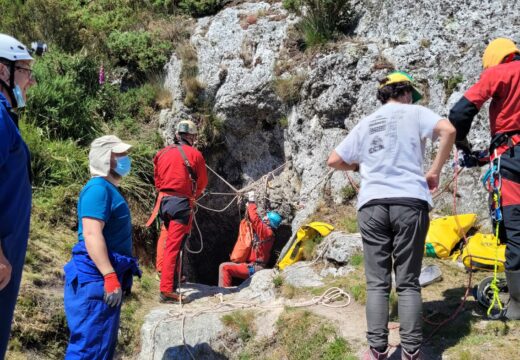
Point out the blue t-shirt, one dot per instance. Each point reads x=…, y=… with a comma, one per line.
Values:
x=101, y=200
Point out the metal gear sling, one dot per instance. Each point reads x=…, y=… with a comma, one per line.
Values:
x=493, y=182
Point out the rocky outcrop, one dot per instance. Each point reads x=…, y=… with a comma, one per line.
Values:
x=243, y=49
x=172, y=331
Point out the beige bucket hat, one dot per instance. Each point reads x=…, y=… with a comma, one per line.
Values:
x=100, y=151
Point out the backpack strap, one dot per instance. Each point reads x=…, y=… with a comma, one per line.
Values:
x=191, y=172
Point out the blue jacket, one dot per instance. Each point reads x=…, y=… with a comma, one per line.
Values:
x=15, y=187
x=83, y=268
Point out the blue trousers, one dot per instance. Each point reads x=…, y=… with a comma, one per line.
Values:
x=93, y=324
x=14, y=251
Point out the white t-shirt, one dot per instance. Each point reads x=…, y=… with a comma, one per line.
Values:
x=389, y=145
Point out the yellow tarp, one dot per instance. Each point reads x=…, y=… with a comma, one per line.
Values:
x=304, y=233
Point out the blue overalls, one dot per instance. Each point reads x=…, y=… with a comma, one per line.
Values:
x=93, y=324
x=15, y=212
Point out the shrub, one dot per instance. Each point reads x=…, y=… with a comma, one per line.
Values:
x=451, y=83
x=348, y=192
x=324, y=18
x=292, y=5
x=278, y=281
x=288, y=89
x=199, y=8
x=62, y=102
x=139, y=51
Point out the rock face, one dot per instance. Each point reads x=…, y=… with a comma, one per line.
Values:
x=339, y=247
x=242, y=50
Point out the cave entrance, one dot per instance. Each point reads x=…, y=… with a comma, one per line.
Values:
x=219, y=232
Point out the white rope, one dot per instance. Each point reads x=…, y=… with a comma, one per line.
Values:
x=329, y=296
x=327, y=299
x=224, y=180
x=218, y=210
x=200, y=237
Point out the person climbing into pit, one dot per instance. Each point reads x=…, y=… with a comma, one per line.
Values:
x=263, y=238
x=180, y=178
x=15, y=183
x=393, y=204
x=500, y=82
x=102, y=266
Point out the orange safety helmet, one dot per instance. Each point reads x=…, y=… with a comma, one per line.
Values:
x=497, y=50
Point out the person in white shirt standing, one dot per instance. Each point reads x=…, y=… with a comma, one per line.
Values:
x=393, y=204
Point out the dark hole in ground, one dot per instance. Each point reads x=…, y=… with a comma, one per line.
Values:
x=219, y=233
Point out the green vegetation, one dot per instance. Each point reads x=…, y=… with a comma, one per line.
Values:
x=284, y=122
x=348, y=192
x=323, y=20
x=356, y=260
x=69, y=107
x=300, y=335
x=292, y=5
x=451, y=83
x=288, y=89
x=241, y=321
x=278, y=281
x=309, y=247
x=198, y=8
x=349, y=224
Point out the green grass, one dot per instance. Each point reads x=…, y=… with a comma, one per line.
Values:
x=356, y=260
x=242, y=322
x=299, y=335
x=348, y=192
x=309, y=247
x=350, y=224
x=278, y=281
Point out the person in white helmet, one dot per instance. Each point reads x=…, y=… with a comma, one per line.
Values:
x=15, y=184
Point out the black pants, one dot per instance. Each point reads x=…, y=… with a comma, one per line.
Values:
x=510, y=201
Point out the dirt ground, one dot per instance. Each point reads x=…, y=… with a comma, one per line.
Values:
x=469, y=336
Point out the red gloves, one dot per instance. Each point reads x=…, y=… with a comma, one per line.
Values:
x=113, y=292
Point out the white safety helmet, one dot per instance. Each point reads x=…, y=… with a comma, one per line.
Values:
x=13, y=50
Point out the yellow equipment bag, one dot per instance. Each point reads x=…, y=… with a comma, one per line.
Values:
x=480, y=253
x=304, y=233
x=444, y=233
x=244, y=242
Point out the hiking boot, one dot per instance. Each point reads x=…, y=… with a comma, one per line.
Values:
x=513, y=284
x=373, y=354
x=173, y=297
x=417, y=355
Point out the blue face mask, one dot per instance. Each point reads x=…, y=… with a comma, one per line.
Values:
x=123, y=165
x=20, y=101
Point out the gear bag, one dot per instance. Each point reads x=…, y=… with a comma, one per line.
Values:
x=481, y=251
x=244, y=242
x=444, y=234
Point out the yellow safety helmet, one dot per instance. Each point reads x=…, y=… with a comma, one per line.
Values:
x=401, y=76
x=497, y=50
x=187, y=127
